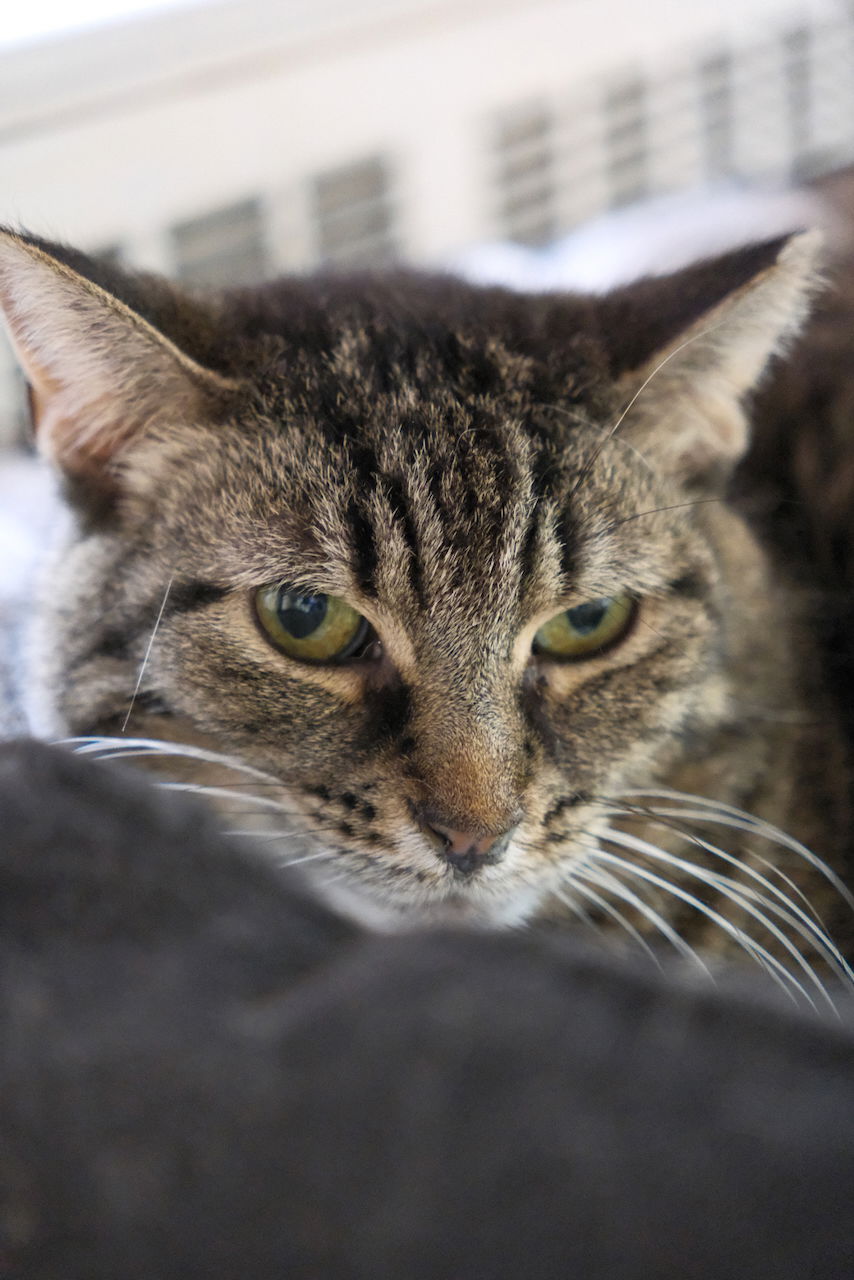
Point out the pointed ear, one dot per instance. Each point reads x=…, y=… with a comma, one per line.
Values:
x=684, y=400
x=100, y=375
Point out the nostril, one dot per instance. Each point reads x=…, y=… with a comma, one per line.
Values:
x=459, y=843
x=464, y=863
x=465, y=850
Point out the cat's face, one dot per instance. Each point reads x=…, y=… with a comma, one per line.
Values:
x=454, y=542
x=445, y=591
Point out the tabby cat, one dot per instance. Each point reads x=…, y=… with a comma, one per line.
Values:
x=436, y=590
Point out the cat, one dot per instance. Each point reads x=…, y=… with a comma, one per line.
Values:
x=438, y=589
x=205, y=1073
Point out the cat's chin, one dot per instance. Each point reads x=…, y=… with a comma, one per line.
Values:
x=464, y=909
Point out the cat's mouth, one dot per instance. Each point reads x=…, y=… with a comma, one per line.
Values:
x=491, y=898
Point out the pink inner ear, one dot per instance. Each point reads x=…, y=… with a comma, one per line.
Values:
x=99, y=373
x=60, y=427
x=42, y=393
x=73, y=450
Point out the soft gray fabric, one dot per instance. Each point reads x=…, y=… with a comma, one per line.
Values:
x=204, y=1074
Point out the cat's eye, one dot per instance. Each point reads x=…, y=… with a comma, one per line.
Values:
x=586, y=629
x=311, y=628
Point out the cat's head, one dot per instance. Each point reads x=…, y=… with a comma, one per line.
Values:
x=449, y=568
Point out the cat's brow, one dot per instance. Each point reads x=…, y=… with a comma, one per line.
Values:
x=364, y=544
x=188, y=596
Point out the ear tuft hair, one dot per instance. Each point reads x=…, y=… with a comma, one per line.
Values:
x=685, y=396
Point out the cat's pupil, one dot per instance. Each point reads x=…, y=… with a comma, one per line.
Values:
x=301, y=615
x=585, y=618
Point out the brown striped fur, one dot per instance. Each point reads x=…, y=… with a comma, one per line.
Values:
x=460, y=465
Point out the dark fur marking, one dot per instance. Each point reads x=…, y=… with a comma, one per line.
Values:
x=568, y=536
x=148, y=700
x=112, y=644
x=364, y=548
x=242, y=675
x=400, y=507
x=392, y=708
x=434, y=484
x=555, y=811
x=392, y=870
x=192, y=595
x=535, y=713
x=528, y=554
x=364, y=462
x=322, y=793
x=117, y=643
x=690, y=585
x=96, y=504
x=566, y=802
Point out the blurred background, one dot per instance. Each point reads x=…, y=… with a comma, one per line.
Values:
x=527, y=140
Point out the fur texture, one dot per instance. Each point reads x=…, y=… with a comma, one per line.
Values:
x=460, y=466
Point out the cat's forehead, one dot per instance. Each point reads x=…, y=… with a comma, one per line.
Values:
x=445, y=451
x=426, y=500
x=462, y=399
x=330, y=343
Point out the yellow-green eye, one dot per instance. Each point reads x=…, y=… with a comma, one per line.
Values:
x=587, y=629
x=312, y=628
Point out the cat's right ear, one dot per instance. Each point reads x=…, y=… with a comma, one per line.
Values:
x=100, y=375
x=691, y=347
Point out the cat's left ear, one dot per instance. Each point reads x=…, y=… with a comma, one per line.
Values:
x=695, y=344
x=101, y=376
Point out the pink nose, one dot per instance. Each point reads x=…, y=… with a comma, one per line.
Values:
x=465, y=850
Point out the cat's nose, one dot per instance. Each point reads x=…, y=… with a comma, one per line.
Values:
x=465, y=850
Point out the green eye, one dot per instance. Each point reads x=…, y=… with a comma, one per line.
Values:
x=312, y=628
x=587, y=629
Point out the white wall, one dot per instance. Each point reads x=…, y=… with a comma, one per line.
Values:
x=115, y=135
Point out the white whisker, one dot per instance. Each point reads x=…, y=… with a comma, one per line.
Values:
x=611, y=884
x=276, y=837
x=783, y=907
x=196, y=788
x=577, y=909
x=728, y=890
x=769, y=866
x=148, y=651
x=728, y=815
x=107, y=748
x=582, y=886
x=311, y=857
x=773, y=967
